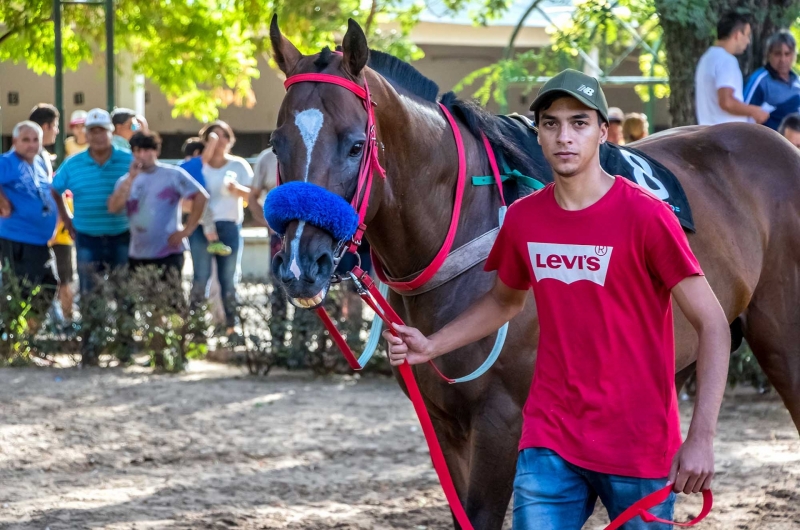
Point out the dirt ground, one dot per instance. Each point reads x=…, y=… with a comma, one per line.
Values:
x=214, y=448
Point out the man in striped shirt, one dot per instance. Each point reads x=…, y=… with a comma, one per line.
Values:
x=101, y=238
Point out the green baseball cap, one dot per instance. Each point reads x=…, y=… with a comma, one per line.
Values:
x=580, y=86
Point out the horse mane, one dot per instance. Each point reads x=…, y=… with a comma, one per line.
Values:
x=499, y=133
x=478, y=120
x=401, y=74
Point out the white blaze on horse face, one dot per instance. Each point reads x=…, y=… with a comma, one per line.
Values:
x=294, y=249
x=309, y=122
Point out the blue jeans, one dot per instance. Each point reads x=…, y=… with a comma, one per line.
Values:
x=552, y=494
x=227, y=267
x=98, y=253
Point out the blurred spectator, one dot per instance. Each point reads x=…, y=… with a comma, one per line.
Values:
x=193, y=164
x=227, y=179
x=790, y=129
x=64, y=250
x=77, y=142
x=125, y=124
x=635, y=127
x=151, y=193
x=25, y=232
x=775, y=87
x=615, y=119
x=265, y=179
x=101, y=238
x=46, y=116
x=719, y=97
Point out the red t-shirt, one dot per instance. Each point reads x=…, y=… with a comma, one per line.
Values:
x=603, y=392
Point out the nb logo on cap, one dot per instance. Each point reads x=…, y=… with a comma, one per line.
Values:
x=586, y=90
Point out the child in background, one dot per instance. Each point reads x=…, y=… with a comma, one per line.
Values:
x=193, y=164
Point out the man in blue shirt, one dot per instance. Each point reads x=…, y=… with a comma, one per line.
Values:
x=32, y=221
x=775, y=87
x=101, y=238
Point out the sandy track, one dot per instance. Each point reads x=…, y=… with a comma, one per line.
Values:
x=213, y=448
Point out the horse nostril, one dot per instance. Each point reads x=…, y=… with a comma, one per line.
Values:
x=323, y=266
x=279, y=268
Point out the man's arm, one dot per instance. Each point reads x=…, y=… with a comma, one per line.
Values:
x=5, y=205
x=199, y=201
x=482, y=318
x=731, y=105
x=117, y=200
x=693, y=466
x=63, y=213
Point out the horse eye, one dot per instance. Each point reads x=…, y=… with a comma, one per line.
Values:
x=356, y=149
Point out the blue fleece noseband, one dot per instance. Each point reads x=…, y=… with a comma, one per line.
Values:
x=303, y=201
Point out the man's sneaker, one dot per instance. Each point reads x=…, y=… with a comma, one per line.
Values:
x=219, y=248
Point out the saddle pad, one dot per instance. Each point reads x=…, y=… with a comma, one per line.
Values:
x=648, y=173
x=626, y=161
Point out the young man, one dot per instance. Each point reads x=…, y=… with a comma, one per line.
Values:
x=775, y=87
x=603, y=257
x=125, y=125
x=25, y=232
x=151, y=193
x=718, y=80
x=46, y=116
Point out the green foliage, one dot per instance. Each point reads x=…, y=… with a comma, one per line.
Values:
x=200, y=53
x=22, y=307
x=614, y=30
x=745, y=370
x=280, y=335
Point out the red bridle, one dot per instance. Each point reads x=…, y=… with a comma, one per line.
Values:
x=369, y=158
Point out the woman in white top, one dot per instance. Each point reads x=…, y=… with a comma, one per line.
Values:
x=227, y=180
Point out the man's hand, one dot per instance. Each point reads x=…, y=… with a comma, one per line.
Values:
x=409, y=345
x=760, y=115
x=5, y=206
x=134, y=170
x=176, y=238
x=693, y=466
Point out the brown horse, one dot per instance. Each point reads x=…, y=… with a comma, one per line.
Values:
x=743, y=182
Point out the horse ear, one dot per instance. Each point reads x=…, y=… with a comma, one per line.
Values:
x=354, y=48
x=285, y=53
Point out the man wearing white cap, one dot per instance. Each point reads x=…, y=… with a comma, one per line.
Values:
x=101, y=238
x=77, y=142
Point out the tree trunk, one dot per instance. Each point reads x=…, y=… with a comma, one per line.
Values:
x=688, y=35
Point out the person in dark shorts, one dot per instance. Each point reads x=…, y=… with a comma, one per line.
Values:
x=24, y=234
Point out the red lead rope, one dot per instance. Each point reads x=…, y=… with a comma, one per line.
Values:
x=373, y=298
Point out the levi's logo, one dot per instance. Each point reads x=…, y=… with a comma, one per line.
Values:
x=570, y=263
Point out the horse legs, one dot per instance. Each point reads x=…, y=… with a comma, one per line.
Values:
x=772, y=328
x=492, y=452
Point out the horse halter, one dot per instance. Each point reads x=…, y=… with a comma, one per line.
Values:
x=369, y=156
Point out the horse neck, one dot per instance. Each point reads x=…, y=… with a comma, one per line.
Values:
x=416, y=199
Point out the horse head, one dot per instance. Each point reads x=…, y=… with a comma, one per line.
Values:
x=320, y=139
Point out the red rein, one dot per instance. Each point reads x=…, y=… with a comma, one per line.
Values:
x=370, y=165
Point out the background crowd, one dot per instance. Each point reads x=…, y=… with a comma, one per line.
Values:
x=112, y=204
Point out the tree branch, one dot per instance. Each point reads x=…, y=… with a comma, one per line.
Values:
x=28, y=24
x=371, y=16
